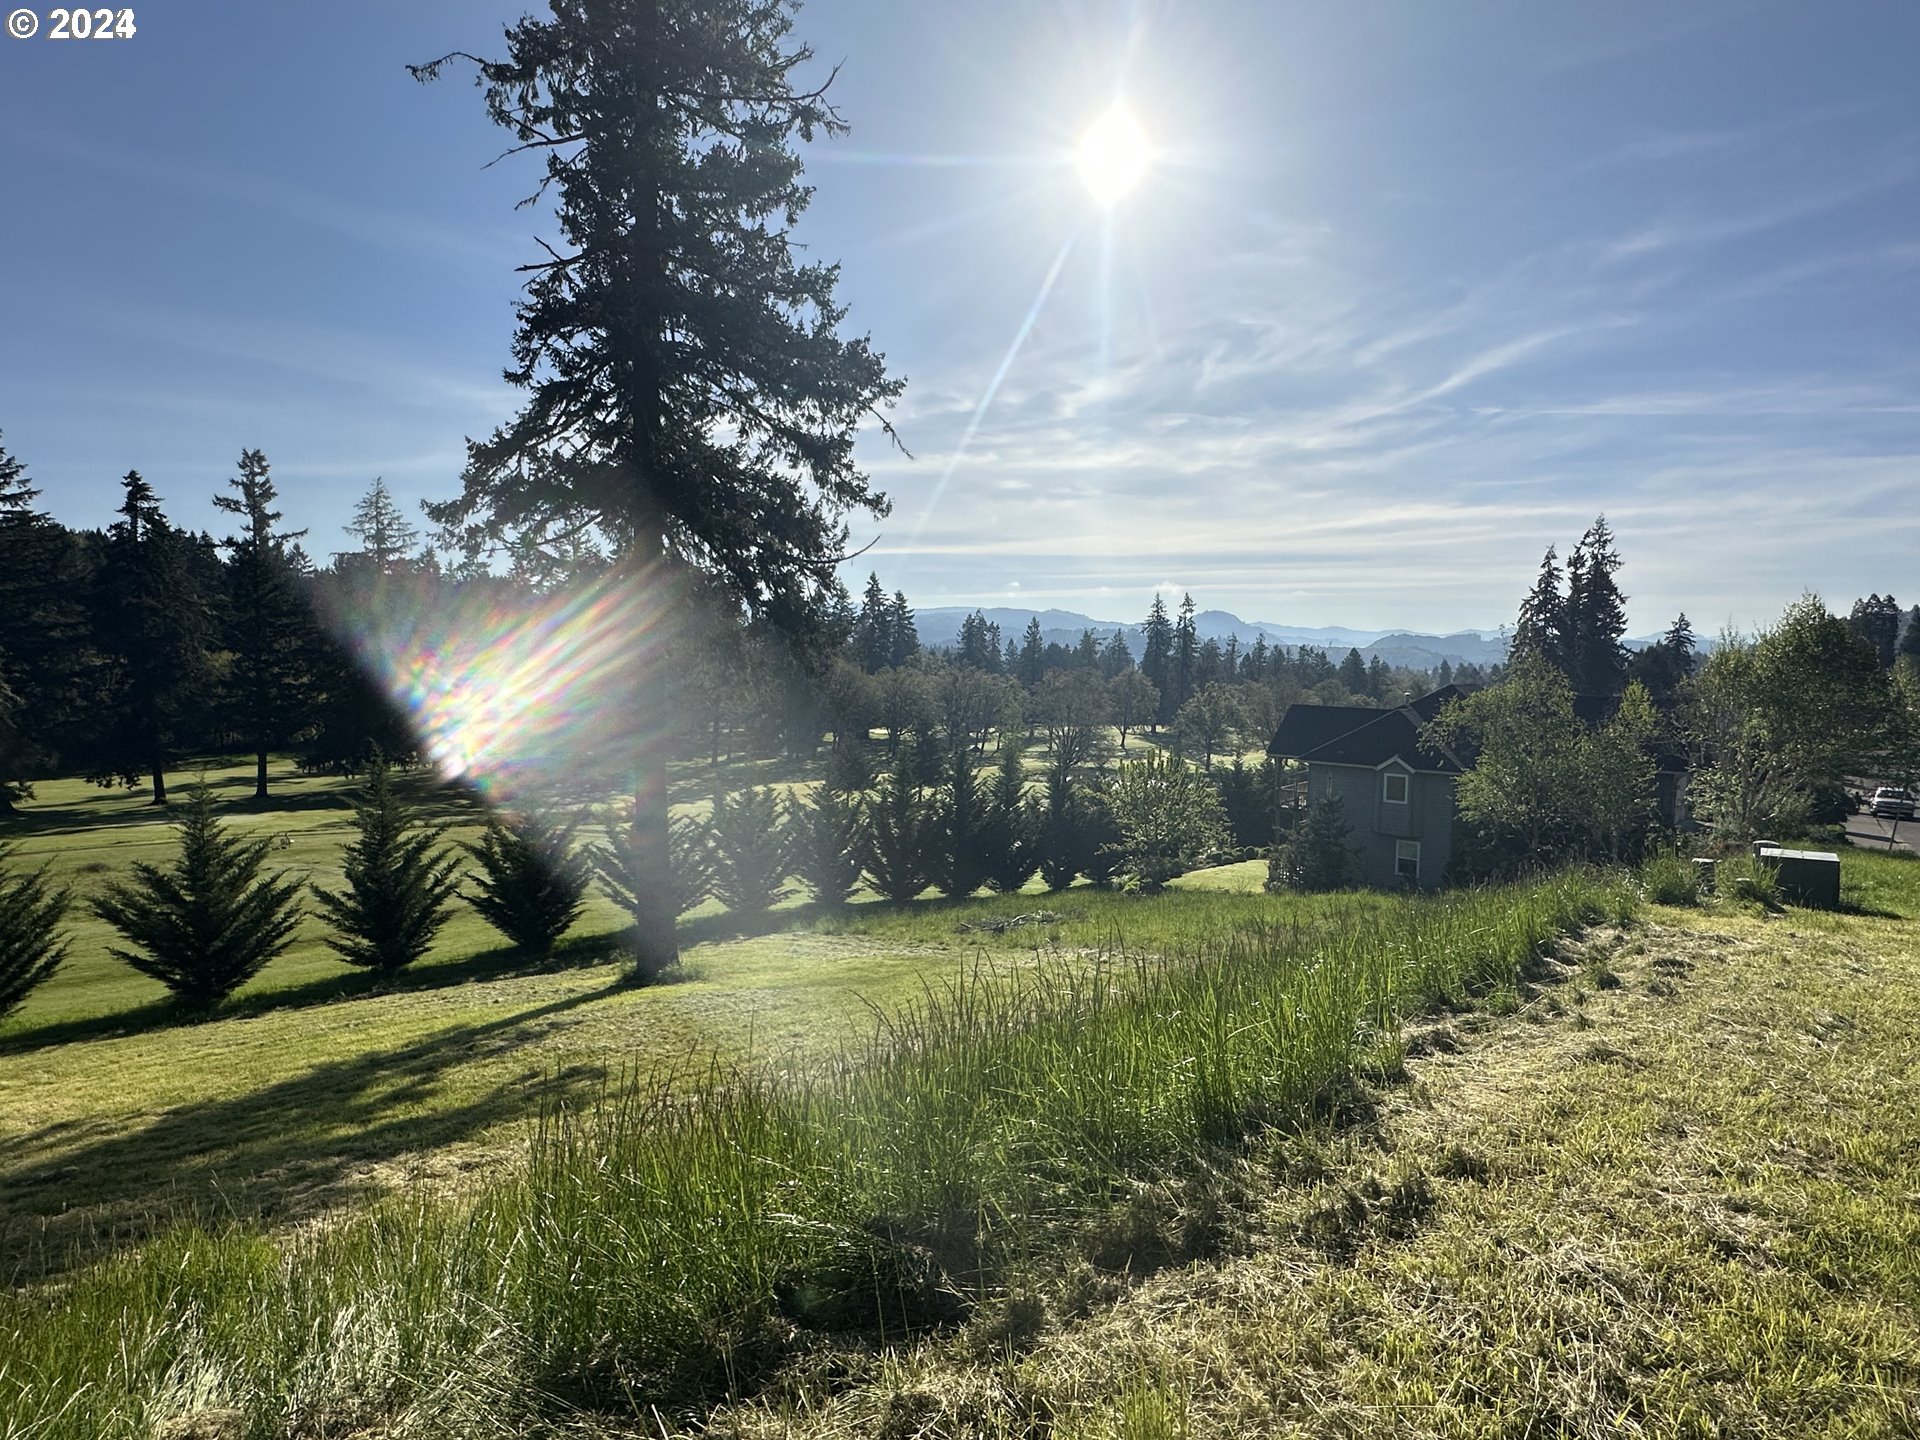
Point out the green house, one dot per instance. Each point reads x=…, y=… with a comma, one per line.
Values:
x=1397, y=797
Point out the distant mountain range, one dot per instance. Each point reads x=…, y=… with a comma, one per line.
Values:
x=940, y=626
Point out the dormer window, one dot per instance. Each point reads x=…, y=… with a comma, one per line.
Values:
x=1393, y=787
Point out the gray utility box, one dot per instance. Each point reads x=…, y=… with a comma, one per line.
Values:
x=1807, y=877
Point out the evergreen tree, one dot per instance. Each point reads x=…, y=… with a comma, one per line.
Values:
x=1379, y=681
x=675, y=310
x=1156, y=657
x=532, y=884
x=205, y=925
x=903, y=640
x=266, y=618
x=1319, y=855
x=386, y=538
x=750, y=851
x=31, y=909
x=1542, y=627
x=979, y=644
x=1115, y=657
x=1249, y=798
x=1665, y=665
x=826, y=845
x=624, y=867
x=152, y=623
x=1597, y=615
x=1353, y=674
x=400, y=882
x=873, y=629
x=1063, y=842
x=1033, y=661
x=1009, y=848
x=1182, y=667
x=1909, y=646
x=1254, y=667
x=961, y=857
x=895, y=848
x=1086, y=654
x=1876, y=620
x=1443, y=677
x=42, y=633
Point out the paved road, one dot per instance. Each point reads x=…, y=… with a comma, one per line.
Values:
x=1872, y=831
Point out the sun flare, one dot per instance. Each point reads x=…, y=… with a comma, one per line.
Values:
x=1113, y=155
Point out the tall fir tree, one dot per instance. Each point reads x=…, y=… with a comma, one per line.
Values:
x=1184, y=666
x=1353, y=674
x=1115, y=657
x=387, y=539
x=1596, y=615
x=152, y=623
x=1156, y=655
x=1033, y=655
x=674, y=308
x=267, y=618
x=1542, y=627
x=873, y=629
x=42, y=634
x=903, y=638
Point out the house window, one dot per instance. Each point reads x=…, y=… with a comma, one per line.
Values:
x=1406, y=860
x=1394, y=787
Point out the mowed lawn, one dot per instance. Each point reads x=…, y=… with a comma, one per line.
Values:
x=317, y=1082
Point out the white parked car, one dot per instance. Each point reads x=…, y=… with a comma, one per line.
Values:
x=1892, y=802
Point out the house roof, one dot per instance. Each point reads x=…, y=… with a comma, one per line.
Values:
x=1352, y=735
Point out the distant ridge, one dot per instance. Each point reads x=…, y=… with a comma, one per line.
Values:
x=940, y=625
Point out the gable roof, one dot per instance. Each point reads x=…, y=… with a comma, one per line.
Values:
x=1352, y=735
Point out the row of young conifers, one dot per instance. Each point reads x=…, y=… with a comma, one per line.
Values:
x=664, y=1244
x=206, y=925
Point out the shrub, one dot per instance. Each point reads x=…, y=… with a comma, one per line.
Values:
x=204, y=926
x=1318, y=856
x=626, y=875
x=1168, y=818
x=961, y=858
x=895, y=846
x=1670, y=880
x=1063, y=842
x=400, y=882
x=826, y=844
x=532, y=884
x=1011, y=857
x=31, y=910
x=749, y=849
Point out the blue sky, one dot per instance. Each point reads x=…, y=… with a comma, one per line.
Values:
x=1411, y=291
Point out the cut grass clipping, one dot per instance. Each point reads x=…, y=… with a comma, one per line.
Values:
x=675, y=1240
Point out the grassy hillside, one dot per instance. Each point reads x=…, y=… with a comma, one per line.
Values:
x=1209, y=1163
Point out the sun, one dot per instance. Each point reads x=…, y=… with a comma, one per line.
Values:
x=1113, y=155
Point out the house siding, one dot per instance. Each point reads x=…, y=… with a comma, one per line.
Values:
x=1426, y=817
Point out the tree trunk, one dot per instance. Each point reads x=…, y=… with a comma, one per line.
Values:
x=260, y=774
x=159, y=782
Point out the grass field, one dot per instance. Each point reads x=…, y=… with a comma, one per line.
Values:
x=1209, y=1163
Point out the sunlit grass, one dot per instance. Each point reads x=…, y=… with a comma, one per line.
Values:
x=655, y=1242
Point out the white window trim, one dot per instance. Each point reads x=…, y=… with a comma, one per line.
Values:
x=1406, y=783
x=1400, y=852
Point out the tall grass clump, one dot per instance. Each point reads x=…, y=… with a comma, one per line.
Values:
x=1670, y=880
x=663, y=1243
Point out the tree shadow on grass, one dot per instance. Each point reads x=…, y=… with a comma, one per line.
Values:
x=295, y=1147
x=500, y=963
